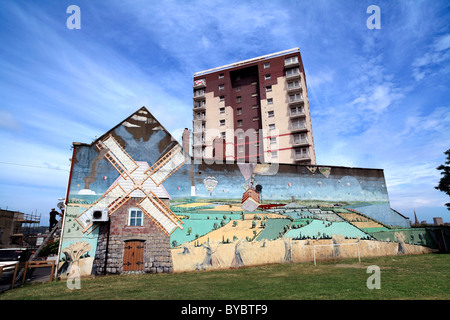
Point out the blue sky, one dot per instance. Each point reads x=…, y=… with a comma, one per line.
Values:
x=379, y=98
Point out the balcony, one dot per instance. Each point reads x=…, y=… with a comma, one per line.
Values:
x=301, y=143
x=200, y=117
x=198, y=129
x=198, y=84
x=199, y=95
x=302, y=157
x=302, y=154
x=292, y=73
x=295, y=99
x=298, y=126
x=199, y=105
x=199, y=142
x=297, y=113
x=294, y=86
x=291, y=62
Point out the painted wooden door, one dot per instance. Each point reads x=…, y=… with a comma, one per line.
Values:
x=133, y=256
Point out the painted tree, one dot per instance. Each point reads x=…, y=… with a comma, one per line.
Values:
x=444, y=183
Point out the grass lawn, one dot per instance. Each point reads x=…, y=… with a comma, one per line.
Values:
x=402, y=277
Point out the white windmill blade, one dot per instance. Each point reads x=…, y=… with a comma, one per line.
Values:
x=117, y=156
x=112, y=199
x=166, y=166
x=160, y=213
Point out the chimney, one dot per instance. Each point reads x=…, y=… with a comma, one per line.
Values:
x=185, y=141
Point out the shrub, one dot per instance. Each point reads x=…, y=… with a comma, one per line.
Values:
x=51, y=248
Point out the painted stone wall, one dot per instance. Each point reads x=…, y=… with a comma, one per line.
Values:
x=156, y=254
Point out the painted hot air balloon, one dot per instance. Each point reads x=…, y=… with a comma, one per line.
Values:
x=210, y=184
x=289, y=184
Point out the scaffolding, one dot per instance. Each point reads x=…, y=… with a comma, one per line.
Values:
x=26, y=227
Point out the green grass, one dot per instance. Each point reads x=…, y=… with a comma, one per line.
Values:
x=402, y=277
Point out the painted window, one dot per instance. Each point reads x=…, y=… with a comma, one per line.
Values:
x=135, y=217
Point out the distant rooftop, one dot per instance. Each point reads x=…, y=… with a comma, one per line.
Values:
x=248, y=61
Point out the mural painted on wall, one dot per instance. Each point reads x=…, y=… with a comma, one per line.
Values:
x=206, y=215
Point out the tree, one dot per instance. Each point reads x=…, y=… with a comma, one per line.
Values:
x=444, y=183
x=51, y=248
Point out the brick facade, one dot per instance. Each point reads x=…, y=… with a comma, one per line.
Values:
x=157, y=256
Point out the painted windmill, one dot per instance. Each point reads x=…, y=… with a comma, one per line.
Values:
x=136, y=177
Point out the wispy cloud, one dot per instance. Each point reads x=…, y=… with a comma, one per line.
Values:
x=61, y=85
x=431, y=62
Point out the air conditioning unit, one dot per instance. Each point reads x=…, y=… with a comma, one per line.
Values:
x=100, y=215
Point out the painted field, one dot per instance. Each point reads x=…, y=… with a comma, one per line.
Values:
x=317, y=228
x=241, y=230
x=273, y=228
x=199, y=227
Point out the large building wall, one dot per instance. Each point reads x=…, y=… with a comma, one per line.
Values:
x=244, y=90
x=209, y=185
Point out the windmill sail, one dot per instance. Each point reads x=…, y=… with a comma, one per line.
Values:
x=167, y=165
x=160, y=213
x=132, y=181
x=117, y=156
x=112, y=199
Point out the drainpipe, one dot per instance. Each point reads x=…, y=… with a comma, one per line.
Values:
x=107, y=246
